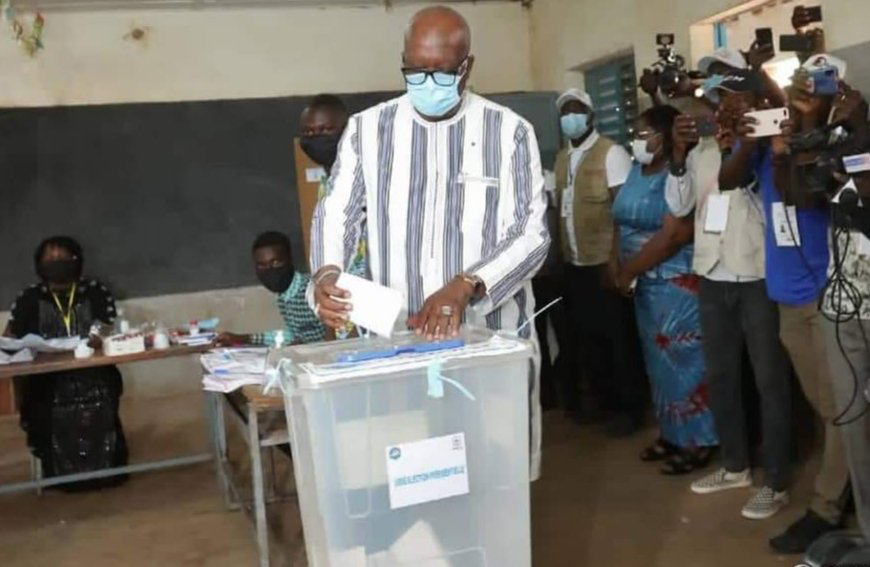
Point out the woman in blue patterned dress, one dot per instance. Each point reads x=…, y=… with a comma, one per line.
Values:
x=655, y=263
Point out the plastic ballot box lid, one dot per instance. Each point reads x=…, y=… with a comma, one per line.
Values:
x=318, y=364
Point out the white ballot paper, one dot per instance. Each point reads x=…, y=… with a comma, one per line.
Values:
x=375, y=307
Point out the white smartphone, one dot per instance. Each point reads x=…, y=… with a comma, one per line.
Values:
x=769, y=122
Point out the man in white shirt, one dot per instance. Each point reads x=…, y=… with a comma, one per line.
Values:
x=735, y=307
x=451, y=189
x=603, y=345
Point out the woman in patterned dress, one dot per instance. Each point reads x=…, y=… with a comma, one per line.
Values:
x=70, y=417
x=655, y=263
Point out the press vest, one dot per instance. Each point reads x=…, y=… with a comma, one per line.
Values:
x=593, y=221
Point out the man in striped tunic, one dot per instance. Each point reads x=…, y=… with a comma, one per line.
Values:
x=451, y=189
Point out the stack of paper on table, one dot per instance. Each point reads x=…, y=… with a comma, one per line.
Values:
x=23, y=355
x=196, y=340
x=227, y=370
x=39, y=344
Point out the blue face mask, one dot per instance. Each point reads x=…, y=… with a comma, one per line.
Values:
x=433, y=100
x=710, y=87
x=574, y=125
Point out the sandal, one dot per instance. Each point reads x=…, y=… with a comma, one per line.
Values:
x=658, y=451
x=685, y=461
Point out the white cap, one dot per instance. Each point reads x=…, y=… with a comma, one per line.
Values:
x=825, y=60
x=730, y=57
x=574, y=94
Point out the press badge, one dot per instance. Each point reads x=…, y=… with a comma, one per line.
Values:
x=785, y=225
x=857, y=163
x=567, y=202
x=717, y=213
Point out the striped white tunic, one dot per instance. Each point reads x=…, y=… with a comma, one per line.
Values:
x=437, y=199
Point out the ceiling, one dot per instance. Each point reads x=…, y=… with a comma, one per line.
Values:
x=81, y=5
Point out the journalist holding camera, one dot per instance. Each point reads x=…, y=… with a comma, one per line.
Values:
x=777, y=179
x=734, y=302
x=794, y=155
x=842, y=173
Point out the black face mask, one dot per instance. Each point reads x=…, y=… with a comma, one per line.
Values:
x=59, y=271
x=276, y=280
x=321, y=148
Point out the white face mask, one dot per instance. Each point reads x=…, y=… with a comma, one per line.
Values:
x=641, y=154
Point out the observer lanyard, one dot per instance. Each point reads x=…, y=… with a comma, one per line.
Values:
x=67, y=317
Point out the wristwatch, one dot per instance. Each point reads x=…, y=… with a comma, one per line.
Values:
x=474, y=280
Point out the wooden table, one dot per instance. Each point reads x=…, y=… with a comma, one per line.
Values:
x=55, y=362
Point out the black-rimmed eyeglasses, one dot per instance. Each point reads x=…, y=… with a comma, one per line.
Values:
x=417, y=77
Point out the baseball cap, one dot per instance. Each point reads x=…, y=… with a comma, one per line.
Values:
x=574, y=94
x=824, y=60
x=728, y=56
x=740, y=81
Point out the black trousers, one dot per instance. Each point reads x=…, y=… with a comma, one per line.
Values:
x=603, y=355
x=547, y=288
x=732, y=313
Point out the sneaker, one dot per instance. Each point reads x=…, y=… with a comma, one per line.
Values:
x=722, y=480
x=801, y=534
x=766, y=503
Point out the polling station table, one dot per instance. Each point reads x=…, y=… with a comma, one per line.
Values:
x=45, y=363
x=260, y=420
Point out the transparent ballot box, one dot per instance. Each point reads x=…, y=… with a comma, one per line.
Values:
x=408, y=453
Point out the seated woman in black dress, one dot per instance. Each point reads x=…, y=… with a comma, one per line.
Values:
x=70, y=417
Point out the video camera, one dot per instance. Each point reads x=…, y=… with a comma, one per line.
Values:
x=836, y=149
x=830, y=144
x=807, y=41
x=671, y=67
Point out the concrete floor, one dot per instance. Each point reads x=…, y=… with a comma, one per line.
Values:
x=596, y=505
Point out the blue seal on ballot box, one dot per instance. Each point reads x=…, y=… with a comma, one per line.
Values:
x=395, y=453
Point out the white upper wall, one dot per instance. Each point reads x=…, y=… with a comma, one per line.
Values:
x=244, y=53
x=568, y=33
